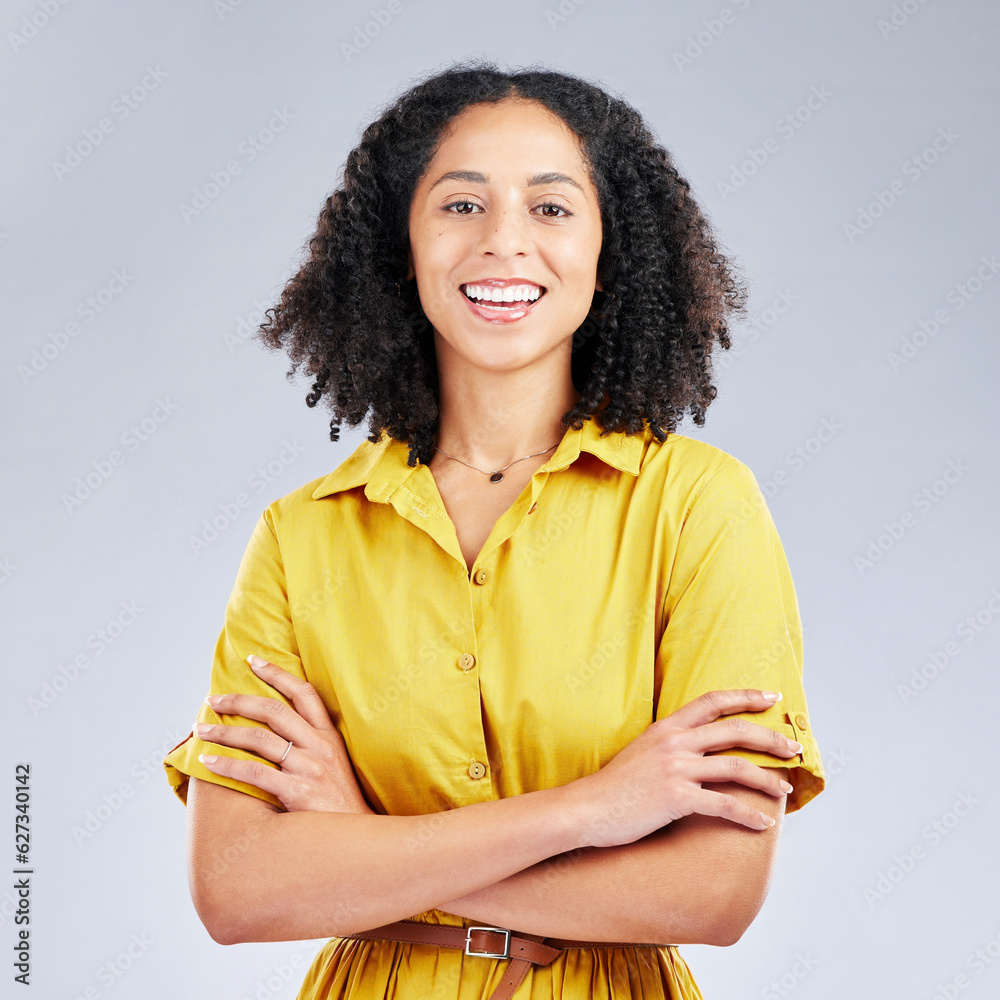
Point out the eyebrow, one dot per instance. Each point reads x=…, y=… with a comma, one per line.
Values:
x=475, y=177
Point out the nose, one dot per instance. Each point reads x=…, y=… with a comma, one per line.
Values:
x=506, y=232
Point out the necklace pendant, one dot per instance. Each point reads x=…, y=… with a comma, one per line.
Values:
x=496, y=477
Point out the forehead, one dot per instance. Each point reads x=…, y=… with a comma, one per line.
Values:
x=513, y=133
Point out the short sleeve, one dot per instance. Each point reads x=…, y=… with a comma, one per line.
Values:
x=731, y=620
x=257, y=620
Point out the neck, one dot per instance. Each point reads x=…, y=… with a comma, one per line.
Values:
x=490, y=419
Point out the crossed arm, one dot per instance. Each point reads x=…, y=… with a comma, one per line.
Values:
x=327, y=865
x=699, y=880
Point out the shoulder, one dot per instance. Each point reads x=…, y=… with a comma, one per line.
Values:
x=300, y=504
x=683, y=470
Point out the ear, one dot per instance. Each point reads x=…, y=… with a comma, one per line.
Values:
x=599, y=285
x=410, y=272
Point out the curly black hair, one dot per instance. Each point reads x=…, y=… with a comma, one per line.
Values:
x=644, y=352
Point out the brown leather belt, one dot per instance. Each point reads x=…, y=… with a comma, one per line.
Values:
x=490, y=942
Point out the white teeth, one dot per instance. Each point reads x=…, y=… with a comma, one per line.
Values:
x=512, y=293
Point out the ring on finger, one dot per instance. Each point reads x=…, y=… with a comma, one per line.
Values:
x=285, y=754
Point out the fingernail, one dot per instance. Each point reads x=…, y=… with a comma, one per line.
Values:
x=786, y=788
x=202, y=727
x=255, y=661
x=794, y=746
x=768, y=820
x=771, y=696
x=213, y=700
x=207, y=758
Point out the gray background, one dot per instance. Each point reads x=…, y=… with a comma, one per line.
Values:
x=812, y=393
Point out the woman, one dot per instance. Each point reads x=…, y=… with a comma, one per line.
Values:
x=497, y=652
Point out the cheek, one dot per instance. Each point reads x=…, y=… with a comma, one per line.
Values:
x=440, y=261
x=438, y=295
x=576, y=253
x=437, y=248
x=580, y=265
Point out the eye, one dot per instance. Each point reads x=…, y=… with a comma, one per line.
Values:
x=552, y=204
x=545, y=213
x=470, y=203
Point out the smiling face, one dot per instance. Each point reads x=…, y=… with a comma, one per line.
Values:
x=506, y=214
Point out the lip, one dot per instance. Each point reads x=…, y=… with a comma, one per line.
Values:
x=510, y=313
x=503, y=282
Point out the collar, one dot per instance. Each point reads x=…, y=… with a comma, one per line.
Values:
x=381, y=467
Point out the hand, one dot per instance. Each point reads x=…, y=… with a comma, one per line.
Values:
x=658, y=777
x=316, y=774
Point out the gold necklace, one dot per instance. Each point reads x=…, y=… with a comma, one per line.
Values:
x=497, y=475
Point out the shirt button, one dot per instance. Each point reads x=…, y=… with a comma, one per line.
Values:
x=481, y=576
x=802, y=722
x=467, y=661
x=476, y=770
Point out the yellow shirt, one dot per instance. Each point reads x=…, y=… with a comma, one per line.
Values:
x=628, y=578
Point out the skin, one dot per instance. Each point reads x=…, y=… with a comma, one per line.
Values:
x=690, y=859
x=504, y=387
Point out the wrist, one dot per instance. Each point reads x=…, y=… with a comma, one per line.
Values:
x=568, y=817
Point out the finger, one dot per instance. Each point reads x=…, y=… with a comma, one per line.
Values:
x=708, y=803
x=303, y=695
x=729, y=767
x=262, y=742
x=712, y=704
x=726, y=733
x=252, y=772
x=278, y=716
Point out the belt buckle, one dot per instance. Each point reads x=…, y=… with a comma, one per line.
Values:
x=487, y=954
